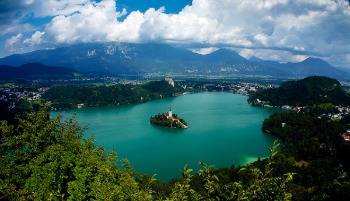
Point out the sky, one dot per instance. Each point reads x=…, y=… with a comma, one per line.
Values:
x=278, y=30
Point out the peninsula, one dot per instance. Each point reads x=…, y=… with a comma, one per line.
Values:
x=169, y=120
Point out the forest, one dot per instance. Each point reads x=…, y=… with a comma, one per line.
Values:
x=69, y=96
x=313, y=90
x=314, y=150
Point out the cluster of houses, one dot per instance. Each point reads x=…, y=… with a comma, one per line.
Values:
x=346, y=135
x=11, y=95
x=78, y=80
x=342, y=111
x=244, y=87
x=240, y=88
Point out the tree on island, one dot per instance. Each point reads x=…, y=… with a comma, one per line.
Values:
x=168, y=120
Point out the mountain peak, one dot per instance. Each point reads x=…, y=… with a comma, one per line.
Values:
x=311, y=61
x=225, y=55
x=256, y=59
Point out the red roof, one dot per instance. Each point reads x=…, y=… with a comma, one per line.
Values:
x=346, y=136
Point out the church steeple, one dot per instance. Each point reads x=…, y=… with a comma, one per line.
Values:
x=170, y=113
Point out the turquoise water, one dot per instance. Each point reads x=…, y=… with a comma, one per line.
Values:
x=224, y=130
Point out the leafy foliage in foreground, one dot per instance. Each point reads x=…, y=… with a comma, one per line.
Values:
x=315, y=151
x=45, y=159
x=253, y=184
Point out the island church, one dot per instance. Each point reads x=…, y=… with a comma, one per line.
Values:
x=169, y=114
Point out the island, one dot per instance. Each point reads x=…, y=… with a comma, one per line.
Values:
x=169, y=120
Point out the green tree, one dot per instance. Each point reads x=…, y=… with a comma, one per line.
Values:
x=43, y=159
x=254, y=184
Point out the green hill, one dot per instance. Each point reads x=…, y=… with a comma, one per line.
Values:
x=69, y=96
x=312, y=90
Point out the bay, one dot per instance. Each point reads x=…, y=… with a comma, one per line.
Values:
x=224, y=130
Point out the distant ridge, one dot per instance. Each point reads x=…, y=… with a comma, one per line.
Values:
x=151, y=58
x=255, y=59
x=35, y=71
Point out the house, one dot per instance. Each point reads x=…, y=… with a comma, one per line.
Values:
x=346, y=136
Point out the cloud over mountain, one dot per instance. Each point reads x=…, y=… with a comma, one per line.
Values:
x=283, y=30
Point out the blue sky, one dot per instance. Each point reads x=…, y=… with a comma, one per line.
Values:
x=172, y=6
x=279, y=30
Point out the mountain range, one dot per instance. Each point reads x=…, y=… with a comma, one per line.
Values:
x=141, y=59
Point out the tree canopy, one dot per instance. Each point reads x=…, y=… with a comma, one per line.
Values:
x=310, y=91
x=45, y=159
x=162, y=120
x=68, y=96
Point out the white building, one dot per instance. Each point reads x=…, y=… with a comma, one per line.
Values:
x=170, y=81
x=169, y=114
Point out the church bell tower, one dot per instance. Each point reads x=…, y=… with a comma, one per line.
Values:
x=170, y=113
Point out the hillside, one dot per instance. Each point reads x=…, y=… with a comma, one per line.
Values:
x=36, y=71
x=69, y=96
x=128, y=59
x=312, y=90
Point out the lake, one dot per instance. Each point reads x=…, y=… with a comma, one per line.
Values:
x=224, y=130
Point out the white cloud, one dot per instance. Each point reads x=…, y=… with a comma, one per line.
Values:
x=14, y=43
x=93, y=22
x=35, y=40
x=43, y=8
x=262, y=39
x=204, y=51
x=13, y=28
x=246, y=53
x=287, y=28
x=274, y=55
x=15, y=12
